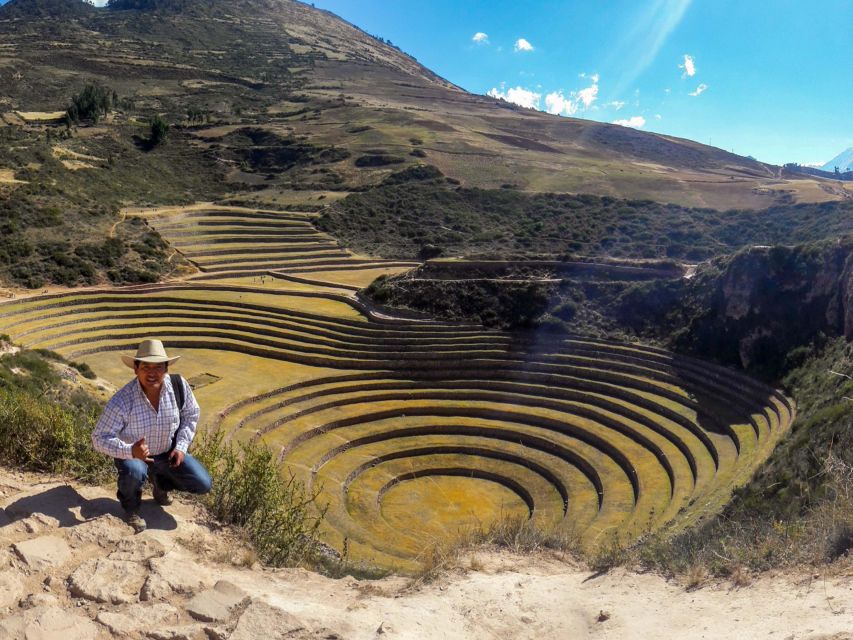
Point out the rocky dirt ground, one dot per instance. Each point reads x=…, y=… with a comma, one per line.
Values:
x=70, y=569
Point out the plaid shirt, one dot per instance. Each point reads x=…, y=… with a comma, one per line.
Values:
x=129, y=416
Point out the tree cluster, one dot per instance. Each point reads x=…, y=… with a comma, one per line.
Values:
x=90, y=104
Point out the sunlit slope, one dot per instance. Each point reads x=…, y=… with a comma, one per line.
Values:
x=292, y=70
x=231, y=242
x=412, y=431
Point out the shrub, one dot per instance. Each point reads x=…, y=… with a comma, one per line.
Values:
x=279, y=516
x=377, y=160
x=159, y=129
x=39, y=435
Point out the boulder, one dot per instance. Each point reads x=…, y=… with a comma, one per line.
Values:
x=48, y=623
x=107, y=580
x=138, y=618
x=261, y=620
x=217, y=604
x=45, y=552
x=11, y=588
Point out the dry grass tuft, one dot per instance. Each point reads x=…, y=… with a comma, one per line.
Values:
x=518, y=535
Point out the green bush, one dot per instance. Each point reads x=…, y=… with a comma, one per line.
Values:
x=279, y=516
x=377, y=160
x=159, y=129
x=39, y=435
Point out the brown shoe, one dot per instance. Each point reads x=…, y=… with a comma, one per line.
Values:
x=161, y=496
x=135, y=521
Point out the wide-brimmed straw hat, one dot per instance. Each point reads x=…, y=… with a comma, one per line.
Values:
x=149, y=351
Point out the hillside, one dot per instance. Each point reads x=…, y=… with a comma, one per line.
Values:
x=300, y=72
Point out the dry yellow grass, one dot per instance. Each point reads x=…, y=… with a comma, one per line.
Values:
x=40, y=116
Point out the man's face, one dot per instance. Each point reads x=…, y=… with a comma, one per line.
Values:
x=150, y=375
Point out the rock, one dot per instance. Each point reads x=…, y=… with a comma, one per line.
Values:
x=11, y=588
x=39, y=600
x=138, y=617
x=48, y=623
x=102, y=530
x=138, y=549
x=261, y=620
x=216, y=633
x=186, y=632
x=217, y=604
x=43, y=553
x=175, y=573
x=106, y=580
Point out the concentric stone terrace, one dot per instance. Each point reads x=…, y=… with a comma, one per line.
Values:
x=413, y=431
x=239, y=241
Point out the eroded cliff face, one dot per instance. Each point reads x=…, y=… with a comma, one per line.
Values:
x=767, y=301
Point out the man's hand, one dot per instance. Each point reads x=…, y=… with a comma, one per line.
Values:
x=140, y=450
x=176, y=458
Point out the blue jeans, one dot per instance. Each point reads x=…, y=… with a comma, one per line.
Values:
x=190, y=476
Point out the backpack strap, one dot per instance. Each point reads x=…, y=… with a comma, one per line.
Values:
x=178, y=388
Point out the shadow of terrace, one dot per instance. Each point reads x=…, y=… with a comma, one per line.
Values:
x=67, y=506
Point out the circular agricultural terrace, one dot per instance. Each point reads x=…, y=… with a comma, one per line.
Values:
x=414, y=432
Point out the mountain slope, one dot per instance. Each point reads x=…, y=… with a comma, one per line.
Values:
x=843, y=161
x=294, y=69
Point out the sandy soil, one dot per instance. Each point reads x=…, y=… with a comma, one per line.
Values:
x=506, y=597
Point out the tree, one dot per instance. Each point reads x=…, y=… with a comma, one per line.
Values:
x=90, y=104
x=159, y=129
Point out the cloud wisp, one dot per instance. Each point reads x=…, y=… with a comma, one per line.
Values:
x=480, y=38
x=522, y=45
x=638, y=48
x=699, y=90
x=689, y=67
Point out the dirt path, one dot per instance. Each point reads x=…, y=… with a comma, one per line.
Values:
x=69, y=562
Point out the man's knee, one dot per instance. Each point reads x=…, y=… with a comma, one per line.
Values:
x=196, y=478
x=133, y=470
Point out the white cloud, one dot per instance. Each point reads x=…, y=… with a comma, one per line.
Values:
x=635, y=122
x=523, y=45
x=699, y=90
x=658, y=116
x=518, y=95
x=689, y=66
x=615, y=104
x=667, y=91
x=481, y=38
x=557, y=104
x=590, y=94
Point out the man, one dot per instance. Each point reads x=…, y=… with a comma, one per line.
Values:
x=148, y=433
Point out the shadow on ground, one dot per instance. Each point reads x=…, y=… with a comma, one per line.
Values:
x=67, y=506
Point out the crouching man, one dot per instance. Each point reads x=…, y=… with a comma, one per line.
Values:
x=147, y=426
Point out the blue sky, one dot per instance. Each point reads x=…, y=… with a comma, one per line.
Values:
x=771, y=79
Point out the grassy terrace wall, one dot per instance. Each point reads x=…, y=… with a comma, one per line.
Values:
x=238, y=241
x=414, y=431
